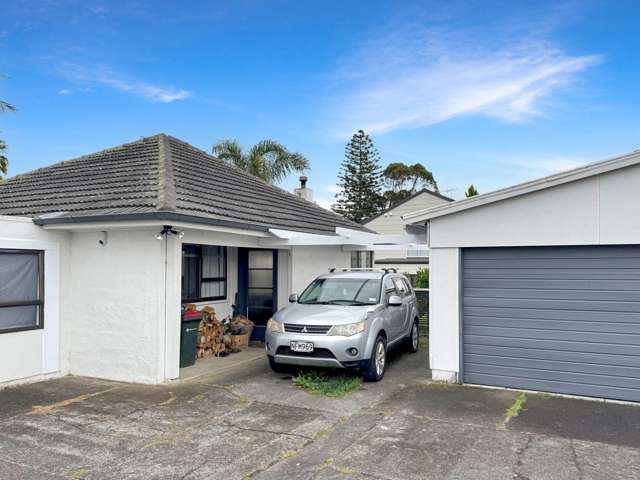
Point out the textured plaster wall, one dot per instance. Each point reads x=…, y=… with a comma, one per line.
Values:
x=117, y=306
x=36, y=354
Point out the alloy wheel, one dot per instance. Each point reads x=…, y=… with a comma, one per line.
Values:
x=381, y=358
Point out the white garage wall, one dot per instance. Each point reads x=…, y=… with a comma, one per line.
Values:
x=36, y=354
x=596, y=210
x=444, y=314
x=117, y=306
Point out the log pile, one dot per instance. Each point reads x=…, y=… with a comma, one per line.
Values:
x=210, y=335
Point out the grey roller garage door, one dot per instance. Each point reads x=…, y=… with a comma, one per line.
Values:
x=557, y=319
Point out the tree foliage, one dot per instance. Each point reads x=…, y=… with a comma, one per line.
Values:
x=422, y=278
x=403, y=180
x=4, y=161
x=267, y=159
x=360, y=195
x=471, y=192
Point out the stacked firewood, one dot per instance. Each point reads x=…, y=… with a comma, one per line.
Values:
x=210, y=335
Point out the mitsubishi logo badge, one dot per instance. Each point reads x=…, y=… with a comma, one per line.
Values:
x=304, y=329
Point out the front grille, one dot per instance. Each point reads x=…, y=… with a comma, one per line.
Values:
x=312, y=329
x=317, y=353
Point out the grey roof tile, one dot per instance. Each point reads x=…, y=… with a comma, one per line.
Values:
x=160, y=177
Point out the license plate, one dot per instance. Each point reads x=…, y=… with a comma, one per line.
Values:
x=302, y=347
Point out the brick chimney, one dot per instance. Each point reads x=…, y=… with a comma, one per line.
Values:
x=303, y=191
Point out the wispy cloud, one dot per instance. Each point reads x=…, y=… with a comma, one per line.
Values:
x=541, y=167
x=101, y=75
x=417, y=75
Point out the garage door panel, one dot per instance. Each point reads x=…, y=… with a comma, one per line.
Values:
x=560, y=319
x=550, y=284
x=548, y=364
x=553, y=386
x=539, y=334
x=544, y=262
x=555, y=294
x=540, y=304
x=559, y=355
x=556, y=375
x=502, y=253
x=552, y=344
x=550, y=314
x=556, y=273
x=544, y=324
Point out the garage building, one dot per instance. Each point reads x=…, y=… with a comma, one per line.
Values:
x=537, y=286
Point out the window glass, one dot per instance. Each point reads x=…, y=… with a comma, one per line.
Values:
x=418, y=251
x=389, y=288
x=342, y=291
x=204, y=273
x=400, y=286
x=362, y=259
x=407, y=285
x=21, y=289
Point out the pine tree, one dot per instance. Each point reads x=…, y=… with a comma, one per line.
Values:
x=471, y=191
x=360, y=195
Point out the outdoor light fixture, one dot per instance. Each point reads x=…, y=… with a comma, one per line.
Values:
x=166, y=230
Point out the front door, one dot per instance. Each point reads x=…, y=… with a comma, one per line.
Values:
x=257, y=287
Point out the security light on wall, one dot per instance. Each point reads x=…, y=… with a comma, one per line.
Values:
x=168, y=230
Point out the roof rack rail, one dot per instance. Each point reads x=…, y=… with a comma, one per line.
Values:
x=349, y=269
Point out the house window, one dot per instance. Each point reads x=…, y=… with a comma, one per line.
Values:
x=418, y=251
x=21, y=290
x=362, y=259
x=204, y=273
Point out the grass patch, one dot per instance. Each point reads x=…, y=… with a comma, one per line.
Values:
x=328, y=384
x=514, y=410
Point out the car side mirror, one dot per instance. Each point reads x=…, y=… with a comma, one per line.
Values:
x=394, y=301
x=293, y=298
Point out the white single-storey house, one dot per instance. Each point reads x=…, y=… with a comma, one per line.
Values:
x=537, y=286
x=98, y=254
x=406, y=260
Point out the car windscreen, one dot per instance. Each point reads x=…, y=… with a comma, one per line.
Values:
x=342, y=291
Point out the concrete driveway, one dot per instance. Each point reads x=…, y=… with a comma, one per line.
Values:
x=252, y=424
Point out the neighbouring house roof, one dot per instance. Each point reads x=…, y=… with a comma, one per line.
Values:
x=160, y=178
x=555, y=180
x=411, y=197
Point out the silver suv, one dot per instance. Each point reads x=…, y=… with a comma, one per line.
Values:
x=346, y=319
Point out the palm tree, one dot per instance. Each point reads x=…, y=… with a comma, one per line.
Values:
x=6, y=107
x=4, y=161
x=267, y=159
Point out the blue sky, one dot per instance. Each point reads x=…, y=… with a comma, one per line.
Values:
x=479, y=92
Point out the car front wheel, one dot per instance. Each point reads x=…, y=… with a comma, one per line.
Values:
x=413, y=340
x=378, y=361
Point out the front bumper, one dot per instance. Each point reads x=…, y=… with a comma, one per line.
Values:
x=329, y=350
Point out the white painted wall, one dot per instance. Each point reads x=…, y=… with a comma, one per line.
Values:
x=36, y=354
x=596, y=210
x=444, y=308
x=117, y=307
x=391, y=223
x=309, y=262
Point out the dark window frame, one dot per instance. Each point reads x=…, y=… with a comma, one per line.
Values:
x=39, y=303
x=368, y=260
x=201, y=279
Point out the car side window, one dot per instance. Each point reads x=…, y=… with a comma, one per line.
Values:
x=389, y=288
x=400, y=286
x=408, y=286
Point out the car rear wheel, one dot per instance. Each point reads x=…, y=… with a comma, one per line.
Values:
x=378, y=361
x=413, y=340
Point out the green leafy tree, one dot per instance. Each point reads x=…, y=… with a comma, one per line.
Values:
x=4, y=161
x=360, y=195
x=422, y=278
x=268, y=159
x=471, y=192
x=402, y=181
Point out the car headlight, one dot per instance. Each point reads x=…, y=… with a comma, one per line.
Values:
x=275, y=326
x=349, y=329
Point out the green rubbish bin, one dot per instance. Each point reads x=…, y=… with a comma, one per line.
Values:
x=189, y=338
